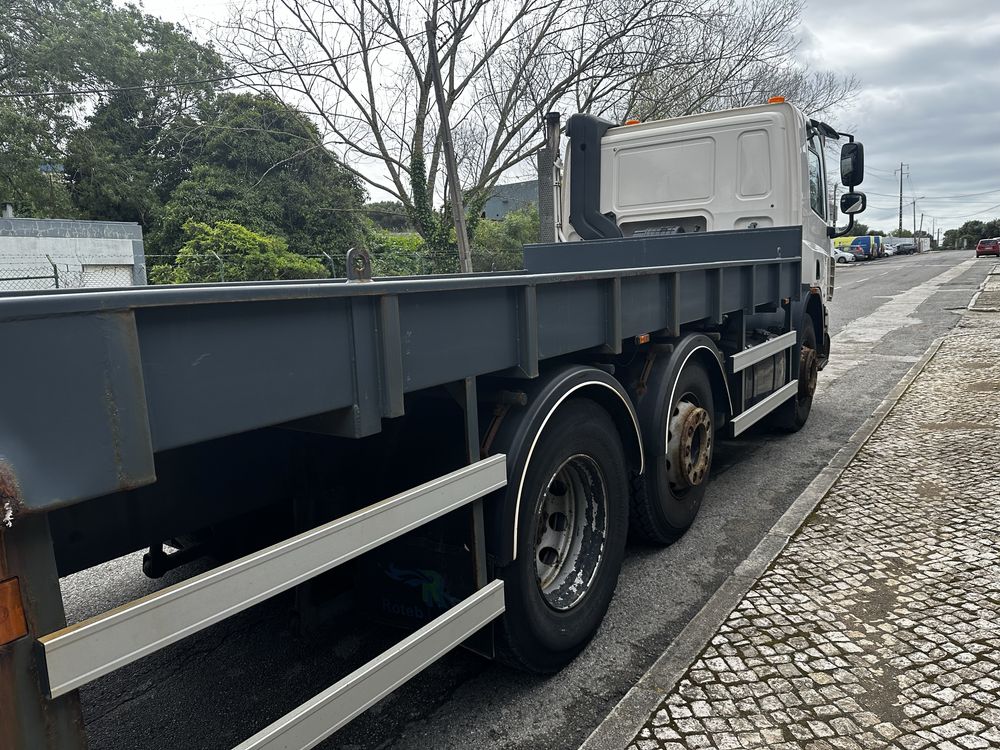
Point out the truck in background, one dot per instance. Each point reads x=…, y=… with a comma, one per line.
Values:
x=867, y=247
x=519, y=424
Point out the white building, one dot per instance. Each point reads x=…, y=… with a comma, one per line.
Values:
x=40, y=254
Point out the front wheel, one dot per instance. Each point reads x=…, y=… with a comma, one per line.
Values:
x=571, y=531
x=679, y=437
x=792, y=415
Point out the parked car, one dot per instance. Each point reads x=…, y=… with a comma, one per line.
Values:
x=842, y=256
x=889, y=250
x=906, y=248
x=988, y=247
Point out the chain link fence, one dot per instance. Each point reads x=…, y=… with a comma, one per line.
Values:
x=25, y=274
x=29, y=279
x=25, y=278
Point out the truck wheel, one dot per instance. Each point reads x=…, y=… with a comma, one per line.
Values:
x=794, y=413
x=571, y=536
x=679, y=439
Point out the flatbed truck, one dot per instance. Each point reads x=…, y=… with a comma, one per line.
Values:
x=507, y=429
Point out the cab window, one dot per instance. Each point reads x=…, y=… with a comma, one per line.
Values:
x=817, y=191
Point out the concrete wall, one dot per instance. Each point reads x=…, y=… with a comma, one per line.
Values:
x=45, y=253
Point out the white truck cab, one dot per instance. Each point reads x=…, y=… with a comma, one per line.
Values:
x=740, y=169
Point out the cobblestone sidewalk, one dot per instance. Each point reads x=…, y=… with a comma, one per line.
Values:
x=879, y=624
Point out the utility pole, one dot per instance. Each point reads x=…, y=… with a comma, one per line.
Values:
x=457, y=204
x=901, y=165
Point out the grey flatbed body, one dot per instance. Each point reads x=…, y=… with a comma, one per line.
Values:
x=96, y=382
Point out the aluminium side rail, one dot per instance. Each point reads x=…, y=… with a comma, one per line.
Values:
x=80, y=653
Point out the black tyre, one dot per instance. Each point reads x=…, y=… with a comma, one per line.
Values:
x=572, y=526
x=678, y=437
x=794, y=413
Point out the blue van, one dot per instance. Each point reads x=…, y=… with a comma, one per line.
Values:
x=866, y=247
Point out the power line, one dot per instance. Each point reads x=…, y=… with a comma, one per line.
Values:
x=937, y=197
x=198, y=81
x=977, y=213
x=148, y=86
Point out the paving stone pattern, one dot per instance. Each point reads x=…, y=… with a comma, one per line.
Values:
x=989, y=297
x=879, y=624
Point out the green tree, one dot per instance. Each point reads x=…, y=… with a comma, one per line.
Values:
x=141, y=141
x=499, y=245
x=390, y=215
x=58, y=58
x=229, y=252
x=262, y=164
x=971, y=232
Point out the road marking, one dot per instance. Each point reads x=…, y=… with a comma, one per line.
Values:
x=866, y=278
x=856, y=343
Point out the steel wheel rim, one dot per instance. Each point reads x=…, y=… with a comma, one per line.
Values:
x=689, y=445
x=570, y=531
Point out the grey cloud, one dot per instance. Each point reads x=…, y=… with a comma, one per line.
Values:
x=930, y=97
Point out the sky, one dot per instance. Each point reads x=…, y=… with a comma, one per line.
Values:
x=929, y=97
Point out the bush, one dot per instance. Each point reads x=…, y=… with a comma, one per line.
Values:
x=243, y=255
x=499, y=245
x=406, y=254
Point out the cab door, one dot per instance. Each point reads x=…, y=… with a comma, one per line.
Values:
x=816, y=243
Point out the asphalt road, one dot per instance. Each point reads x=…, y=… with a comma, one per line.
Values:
x=221, y=685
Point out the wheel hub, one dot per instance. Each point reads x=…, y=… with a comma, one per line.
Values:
x=570, y=531
x=689, y=446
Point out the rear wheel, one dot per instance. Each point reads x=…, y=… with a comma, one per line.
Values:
x=572, y=526
x=679, y=439
x=794, y=413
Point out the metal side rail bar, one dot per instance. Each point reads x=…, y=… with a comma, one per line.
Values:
x=742, y=360
x=83, y=652
x=746, y=419
x=322, y=715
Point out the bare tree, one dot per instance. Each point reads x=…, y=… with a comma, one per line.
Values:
x=359, y=67
x=744, y=55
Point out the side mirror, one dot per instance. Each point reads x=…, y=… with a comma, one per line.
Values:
x=853, y=203
x=852, y=164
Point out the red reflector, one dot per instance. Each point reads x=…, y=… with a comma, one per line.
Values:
x=12, y=622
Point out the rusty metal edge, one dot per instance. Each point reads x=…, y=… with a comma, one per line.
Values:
x=623, y=723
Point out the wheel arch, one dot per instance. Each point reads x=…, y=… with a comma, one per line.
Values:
x=521, y=429
x=708, y=355
x=697, y=347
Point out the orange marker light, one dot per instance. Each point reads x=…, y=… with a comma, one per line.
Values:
x=776, y=100
x=12, y=622
x=632, y=122
x=642, y=338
